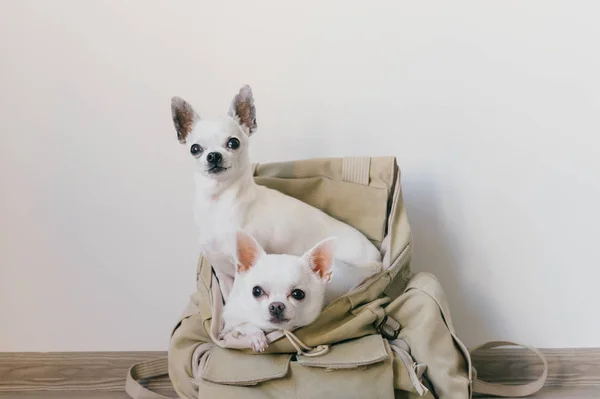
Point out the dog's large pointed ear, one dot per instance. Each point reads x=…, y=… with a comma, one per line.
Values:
x=320, y=258
x=184, y=118
x=248, y=251
x=242, y=109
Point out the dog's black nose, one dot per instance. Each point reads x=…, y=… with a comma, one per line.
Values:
x=214, y=157
x=276, y=309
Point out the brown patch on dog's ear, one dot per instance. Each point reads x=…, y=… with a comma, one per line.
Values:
x=321, y=257
x=248, y=251
x=184, y=118
x=243, y=110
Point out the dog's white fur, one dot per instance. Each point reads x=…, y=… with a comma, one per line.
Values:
x=279, y=280
x=227, y=198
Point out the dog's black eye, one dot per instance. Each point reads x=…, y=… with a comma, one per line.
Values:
x=233, y=143
x=257, y=292
x=195, y=149
x=298, y=294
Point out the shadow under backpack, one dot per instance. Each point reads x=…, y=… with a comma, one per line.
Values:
x=391, y=337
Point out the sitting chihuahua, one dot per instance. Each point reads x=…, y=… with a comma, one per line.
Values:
x=272, y=292
x=227, y=198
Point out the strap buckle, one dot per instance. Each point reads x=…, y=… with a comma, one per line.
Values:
x=389, y=328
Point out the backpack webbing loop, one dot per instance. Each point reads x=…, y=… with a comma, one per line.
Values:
x=389, y=328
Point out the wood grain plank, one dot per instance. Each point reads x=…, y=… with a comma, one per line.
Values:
x=64, y=395
x=546, y=393
x=90, y=371
x=566, y=367
x=72, y=395
x=105, y=371
x=560, y=393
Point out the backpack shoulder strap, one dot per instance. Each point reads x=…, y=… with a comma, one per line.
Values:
x=145, y=371
x=511, y=391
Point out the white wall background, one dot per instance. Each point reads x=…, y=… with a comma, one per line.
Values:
x=492, y=109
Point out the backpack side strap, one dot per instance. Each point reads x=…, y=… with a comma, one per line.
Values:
x=145, y=371
x=511, y=391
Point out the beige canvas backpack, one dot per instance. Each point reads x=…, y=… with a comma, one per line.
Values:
x=392, y=337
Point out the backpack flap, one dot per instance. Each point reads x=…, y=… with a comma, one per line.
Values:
x=357, y=368
x=233, y=367
x=369, y=352
x=232, y=374
x=355, y=353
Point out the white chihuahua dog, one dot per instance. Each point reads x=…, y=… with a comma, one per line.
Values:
x=275, y=292
x=227, y=198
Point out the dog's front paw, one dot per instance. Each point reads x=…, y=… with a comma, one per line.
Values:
x=253, y=336
x=257, y=341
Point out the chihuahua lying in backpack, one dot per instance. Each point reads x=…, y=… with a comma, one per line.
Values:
x=227, y=199
x=275, y=292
